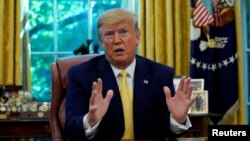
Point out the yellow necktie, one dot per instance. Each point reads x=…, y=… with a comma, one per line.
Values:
x=127, y=103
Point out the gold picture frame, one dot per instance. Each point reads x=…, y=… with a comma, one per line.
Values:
x=200, y=105
x=197, y=84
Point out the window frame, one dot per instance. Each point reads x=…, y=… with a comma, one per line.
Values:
x=55, y=52
x=244, y=25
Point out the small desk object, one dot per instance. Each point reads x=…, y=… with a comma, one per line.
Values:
x=20, y=116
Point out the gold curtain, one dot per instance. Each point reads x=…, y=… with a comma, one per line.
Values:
x=238, y=116
x=10, y=43
x=165, y=28
x=241, y=114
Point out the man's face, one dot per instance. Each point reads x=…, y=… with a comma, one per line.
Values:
x=119, y=42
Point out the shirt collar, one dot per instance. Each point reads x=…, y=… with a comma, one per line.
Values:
x=130, y=69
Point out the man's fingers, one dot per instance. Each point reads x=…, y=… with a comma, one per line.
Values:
x=94, y=86
x=189, y=93
x=96, y=90
x=167, y=92
x=109, y=95
x=180, y=86
x=99, y=86
x=93, y=97
x=94, y=93
x=186, y=85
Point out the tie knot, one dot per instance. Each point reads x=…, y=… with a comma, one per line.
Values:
x=123, y=74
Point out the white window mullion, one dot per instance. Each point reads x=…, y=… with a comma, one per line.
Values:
x=90, y=20
x=131, y=5
x=55, y=28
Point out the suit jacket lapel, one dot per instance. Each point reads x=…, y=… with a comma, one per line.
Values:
x=109, y=82
x=141, y=97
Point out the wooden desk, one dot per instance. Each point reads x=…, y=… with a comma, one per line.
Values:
x=199, y=125
x=22, y=128
x=193, y=139
x=182, y=139
x=32, y=128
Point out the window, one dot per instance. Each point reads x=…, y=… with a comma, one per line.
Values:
x=246, y=41
x=59, y=27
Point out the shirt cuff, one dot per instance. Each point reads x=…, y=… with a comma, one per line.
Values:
x=89, y=131
x=178, y=128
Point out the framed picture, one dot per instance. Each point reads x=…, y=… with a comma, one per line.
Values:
x=198, y=84
x=200, y=105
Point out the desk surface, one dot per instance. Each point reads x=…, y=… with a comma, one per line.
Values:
x=22, y=128
x=15, y=128
x=193, y=139
x=182, y=139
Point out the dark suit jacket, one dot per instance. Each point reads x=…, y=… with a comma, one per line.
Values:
x=151, y=115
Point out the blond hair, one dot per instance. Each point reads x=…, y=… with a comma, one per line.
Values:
x=113, y=16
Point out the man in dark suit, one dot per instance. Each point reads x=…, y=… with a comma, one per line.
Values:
x=94, y=107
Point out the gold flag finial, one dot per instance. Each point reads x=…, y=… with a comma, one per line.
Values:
x=211, y=42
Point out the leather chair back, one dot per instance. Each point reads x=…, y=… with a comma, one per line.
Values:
x=59, y=71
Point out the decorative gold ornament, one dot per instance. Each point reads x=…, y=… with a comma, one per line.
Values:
x=40, y=114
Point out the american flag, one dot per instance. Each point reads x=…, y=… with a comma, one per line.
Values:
x=201, y=16
x=218, y=19
x=215, y=65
